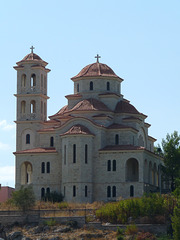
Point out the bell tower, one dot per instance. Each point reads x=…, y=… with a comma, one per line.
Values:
x=31, y=98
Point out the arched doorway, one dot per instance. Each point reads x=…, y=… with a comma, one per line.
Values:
x=26, y=173
x=132, y=170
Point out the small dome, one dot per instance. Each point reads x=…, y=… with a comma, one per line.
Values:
x=96, y=70
x=125, y=107
x=31, y=56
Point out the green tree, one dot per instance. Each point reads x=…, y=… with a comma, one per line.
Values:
x=171, y=152
x=176, y=222
x=24, y=198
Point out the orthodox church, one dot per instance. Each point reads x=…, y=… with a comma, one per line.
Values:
x=96, y=148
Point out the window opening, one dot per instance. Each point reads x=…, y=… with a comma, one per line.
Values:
x=86, y=191
x=33, y=80
x=77, y=87
x=108, y=191
x=86, y=153
x=114, y=165
x=131, y=191
x=48, y=167
x=42, y=192
x=108, y=86
x=51, y=141
x=28, y=138
x=117, y=139
x=109, y=165
x=91, y=86
x=114, y=191
x=74, y=153
x=74, y=191
x=33, y=107
x=42, y=167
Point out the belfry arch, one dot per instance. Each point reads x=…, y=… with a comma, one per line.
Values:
x=132, y=170
x=26, y=173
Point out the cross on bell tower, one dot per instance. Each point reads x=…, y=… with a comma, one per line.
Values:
x=97, y=56
x=32, y=48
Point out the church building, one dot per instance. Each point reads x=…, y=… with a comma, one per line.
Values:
x=96, y=148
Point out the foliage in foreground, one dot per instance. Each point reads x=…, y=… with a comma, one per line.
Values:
x=151, y=206
x=24, y=198
x=53, y=197
x=176, y=222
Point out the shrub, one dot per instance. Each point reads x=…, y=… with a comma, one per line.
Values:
x=24, y=198
x=176, y=222
x=120, y=231
x=51, y=222
x=63, y=205
x=120, y=237
x=131, y=230
x=53, y=197
x=145, y=236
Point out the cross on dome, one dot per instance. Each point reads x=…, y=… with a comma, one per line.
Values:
x=97, y=56
x=32, y=49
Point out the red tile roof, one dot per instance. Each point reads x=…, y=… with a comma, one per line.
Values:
x=121, y=147
x=96, y=70
x=125, y=107
x=32, y=57
x=37, y=150
x=89, y=105
x=78, y=129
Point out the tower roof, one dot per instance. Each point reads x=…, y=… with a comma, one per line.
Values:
x=96, y=70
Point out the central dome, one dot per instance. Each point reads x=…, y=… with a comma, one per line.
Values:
x=96, y=70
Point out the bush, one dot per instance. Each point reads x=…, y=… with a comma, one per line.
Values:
x=63, y=205
x=24, y=198
x=131, y=230
x=53, y=197
x=176, y=222
x=50, y=222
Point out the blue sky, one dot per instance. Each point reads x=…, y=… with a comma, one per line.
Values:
x=138, y=39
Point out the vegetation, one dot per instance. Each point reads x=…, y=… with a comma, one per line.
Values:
x=176, y=222
x=53, y=197
x=154, y=207
x=171, y=154
x=24, y=198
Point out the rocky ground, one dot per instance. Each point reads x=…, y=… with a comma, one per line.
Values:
x=57, y=232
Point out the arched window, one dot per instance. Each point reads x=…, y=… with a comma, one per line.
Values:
x=131, y=191
x=48, y=167
x=91, y=86
x=64, y=191
x=132, y=170
x=74, y=191
x=109, y=165
x=33, y=80
x=42, y=81
x=114, y=191
x=117, y=139
x=86, y=153
x=23, y=80
x=41, y=107
x=86, y=191
x=51, y=141
x=28, y=138
x=48, y=190
x=33, y=107
x=64, y=154
x=45, y=82
x=42, y=193
x=26, y=173
x=108, y=86
x=77, y=87
x=42, y=167
x=23, y=107
x=114, y=165
x=74, y=153
x=108, y=191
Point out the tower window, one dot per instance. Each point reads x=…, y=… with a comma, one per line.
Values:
x=33, y=106
x=42, y=167
x=74, y=153
x=42, y=193
x=23, y=107
x=28, y=138
x=77, y=87
x=86, y=191
x=91, y=86
x=117, y=139
x=74, y=191
x=114, y=191
x=114, y=165
x=109, y=165
x=64, y=154
x=108, y=191
x=51, y=141
x=33, y=80
x=42, y=80
x=86, y=153
x=48, y=167
x=108, y=86
x=23, y=80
